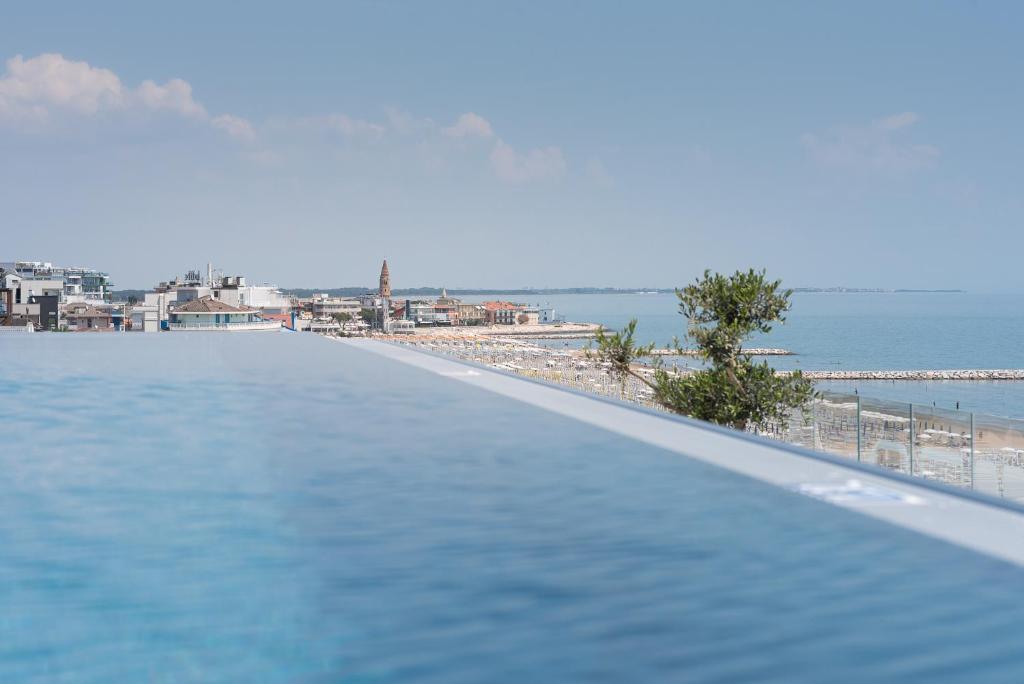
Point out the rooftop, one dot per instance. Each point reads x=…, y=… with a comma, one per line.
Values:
x=208, y=304
x=497, y=306
x=87, y=312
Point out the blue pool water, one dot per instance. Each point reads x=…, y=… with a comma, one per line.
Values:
x=281, y=508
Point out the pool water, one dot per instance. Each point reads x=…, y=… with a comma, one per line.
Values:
x=282, y=508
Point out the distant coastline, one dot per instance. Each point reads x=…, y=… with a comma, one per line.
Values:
x=122, y=295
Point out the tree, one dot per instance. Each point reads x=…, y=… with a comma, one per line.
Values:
x=721, y=312
x=343, y=318
x=369, y=316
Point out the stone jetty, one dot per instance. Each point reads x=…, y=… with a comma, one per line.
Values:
x=693, y=352
x=965, y=374
x=543, y=331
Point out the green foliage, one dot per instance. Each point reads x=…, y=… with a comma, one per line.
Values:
x=343, y=318
x=620, y=350
x=721, y=312
x=368, y=315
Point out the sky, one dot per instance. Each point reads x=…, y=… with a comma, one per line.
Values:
x=490, y=145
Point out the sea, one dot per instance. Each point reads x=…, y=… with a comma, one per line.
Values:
x=856, y=331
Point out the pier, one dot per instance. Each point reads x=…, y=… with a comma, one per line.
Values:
x=547, y=331
x=693, y=352
x=965, y=374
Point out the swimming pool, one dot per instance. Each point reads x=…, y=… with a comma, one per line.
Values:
x=260, y=507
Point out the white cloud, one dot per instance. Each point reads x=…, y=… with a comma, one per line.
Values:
x=878, y=146
x=897, y=121
x=405, y=123
x=31, y=86
x=235, y=126
x=49, y=85
x=346, y=125
x=174, y=96
x=544, y=164
x=353, y=127
x=39, y=87
x=470, y=125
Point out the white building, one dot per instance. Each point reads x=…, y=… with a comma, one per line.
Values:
x=77, y=284
x=231, y=290
x=235, y=291
x=209, y=314
x=324, y=306
x=146, y=318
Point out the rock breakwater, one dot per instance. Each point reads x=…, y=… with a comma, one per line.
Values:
x=963, y=374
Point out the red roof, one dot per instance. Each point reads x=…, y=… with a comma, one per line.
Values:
x=502, y=306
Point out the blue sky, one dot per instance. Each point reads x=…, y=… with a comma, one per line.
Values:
x=550, y=144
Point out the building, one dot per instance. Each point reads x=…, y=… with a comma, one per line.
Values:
x=528, y=316
x=77, y=284
x=82, y=318
x=145, y=318
x=384, y=292
x=47, y=311
x=502, y=313
x=207, y=313
x=418, y=311
x=324, y=306
x=10, y=321
x=472, y=314
x=446, y=309
x=235, y=291
x=403, y=327
x=231, y=290
x=35, y=299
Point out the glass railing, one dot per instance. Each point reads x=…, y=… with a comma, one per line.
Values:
x=959, y=448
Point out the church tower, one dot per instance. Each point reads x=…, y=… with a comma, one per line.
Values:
x=385, y=297
x=385, y=281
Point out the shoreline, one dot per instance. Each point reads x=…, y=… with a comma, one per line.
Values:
x=495, y=335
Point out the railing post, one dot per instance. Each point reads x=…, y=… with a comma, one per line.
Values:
x=911, y=439
x=972, y=449
x=858, y=428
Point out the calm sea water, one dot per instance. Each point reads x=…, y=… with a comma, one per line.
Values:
x=862, y=332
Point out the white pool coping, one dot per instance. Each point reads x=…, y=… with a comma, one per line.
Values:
x=966, y=521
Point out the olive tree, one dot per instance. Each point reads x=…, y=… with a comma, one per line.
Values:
x=721, y=313
x=343, y=318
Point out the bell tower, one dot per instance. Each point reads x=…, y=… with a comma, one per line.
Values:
x=385, y=297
